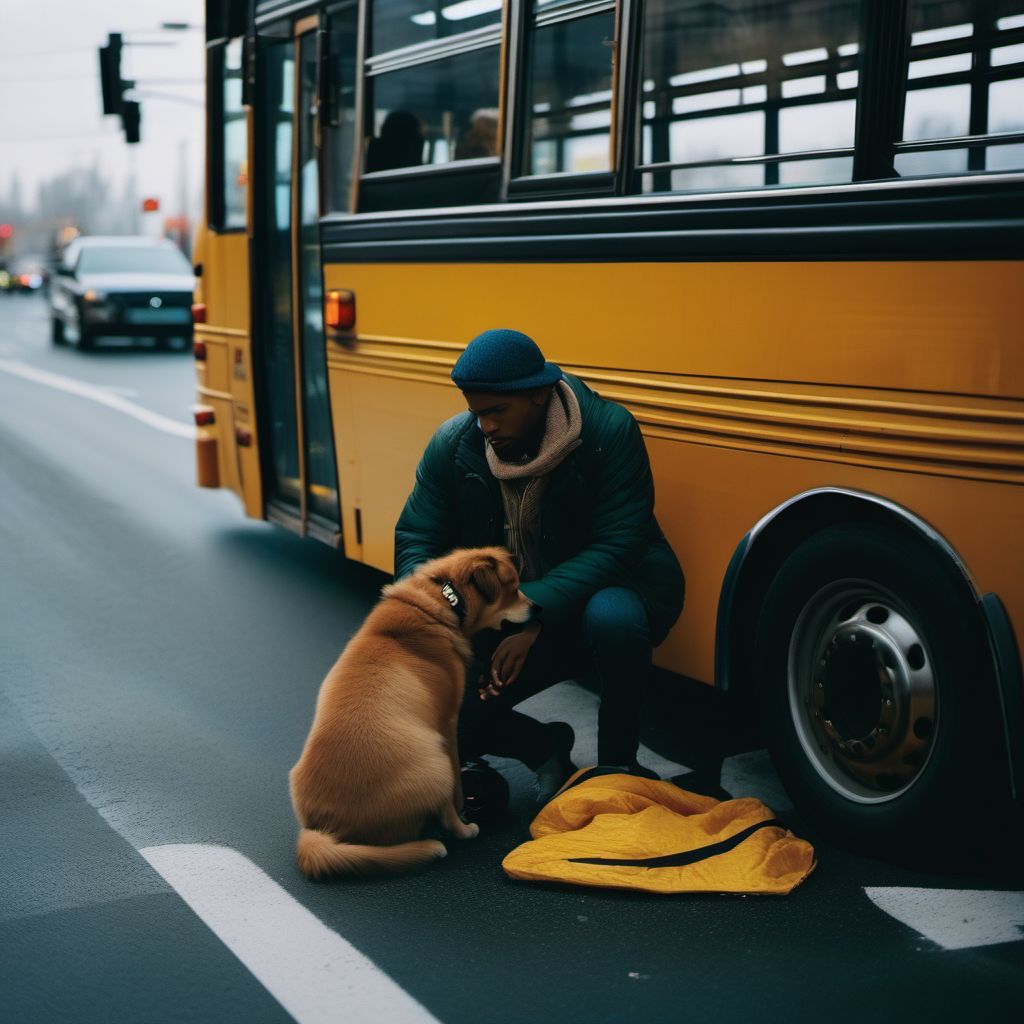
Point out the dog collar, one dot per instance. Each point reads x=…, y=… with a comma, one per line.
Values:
x=454, y=598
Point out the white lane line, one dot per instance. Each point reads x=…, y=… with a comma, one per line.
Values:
x=955, y=918
x=753, y=774
x=572, y=703
x=97, y=394
x=315, y=974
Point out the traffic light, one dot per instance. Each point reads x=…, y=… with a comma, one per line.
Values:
x=110, y=74
x=131, y=118
x=113, y=87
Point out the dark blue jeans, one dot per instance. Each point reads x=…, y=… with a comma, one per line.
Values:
x=610, y=642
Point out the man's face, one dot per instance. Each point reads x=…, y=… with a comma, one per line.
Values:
x=512, y=422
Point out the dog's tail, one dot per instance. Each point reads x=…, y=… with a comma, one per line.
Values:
x=319, y=854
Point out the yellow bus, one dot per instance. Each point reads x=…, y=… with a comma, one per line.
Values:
x=787, y=236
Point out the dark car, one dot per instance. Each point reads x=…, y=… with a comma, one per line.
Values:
x=121, y=286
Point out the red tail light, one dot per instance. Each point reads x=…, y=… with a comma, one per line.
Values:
x=203, y=415
x=199, y=312
x=243, y=435
x=340, y=310
x=199, y=350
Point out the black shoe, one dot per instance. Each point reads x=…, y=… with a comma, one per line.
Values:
x=485, y=792
x=552, y=774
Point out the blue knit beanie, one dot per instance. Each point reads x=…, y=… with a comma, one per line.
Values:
x=503, y=360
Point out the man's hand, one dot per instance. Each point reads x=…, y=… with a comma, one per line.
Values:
x=508, y=661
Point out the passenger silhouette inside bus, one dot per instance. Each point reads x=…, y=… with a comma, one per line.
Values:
x=400, y=143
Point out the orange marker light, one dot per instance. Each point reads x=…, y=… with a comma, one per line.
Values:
x=340, y=310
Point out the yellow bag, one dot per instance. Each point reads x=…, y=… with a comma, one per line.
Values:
x=623, y=832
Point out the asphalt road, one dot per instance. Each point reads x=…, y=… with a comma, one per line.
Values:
x=159, y=660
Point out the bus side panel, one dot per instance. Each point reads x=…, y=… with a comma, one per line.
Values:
x=382, y=422
x=752, y=383
x=951, y=327
x=709, y=497
x=226, y=379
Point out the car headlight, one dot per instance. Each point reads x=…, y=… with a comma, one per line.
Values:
x=94, y=295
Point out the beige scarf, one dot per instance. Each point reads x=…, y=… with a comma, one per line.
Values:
x=522, y=483
x=561, y=436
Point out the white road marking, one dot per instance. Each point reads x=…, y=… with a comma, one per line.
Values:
x=752, y=774
x=315, y=974
x=572, y=703
x=97, y=394
x=955, y=918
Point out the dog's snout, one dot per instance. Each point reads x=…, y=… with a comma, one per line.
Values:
x=521, y=610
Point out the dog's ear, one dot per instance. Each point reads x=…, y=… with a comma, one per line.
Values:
x=484, y=576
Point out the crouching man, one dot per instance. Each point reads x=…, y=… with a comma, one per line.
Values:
x=545, y=467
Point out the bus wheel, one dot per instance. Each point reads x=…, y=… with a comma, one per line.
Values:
x=57, y=331
x=875, y=687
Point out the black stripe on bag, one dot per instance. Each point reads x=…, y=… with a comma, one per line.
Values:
x=680, y=860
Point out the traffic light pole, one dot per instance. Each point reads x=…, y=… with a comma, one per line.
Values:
x=114, y=87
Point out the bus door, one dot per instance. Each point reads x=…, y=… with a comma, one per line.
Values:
x=298, y=448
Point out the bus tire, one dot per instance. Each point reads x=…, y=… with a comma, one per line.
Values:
x=57, y=331
x=875, y=690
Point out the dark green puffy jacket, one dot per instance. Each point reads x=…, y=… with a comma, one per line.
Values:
x=596, y=516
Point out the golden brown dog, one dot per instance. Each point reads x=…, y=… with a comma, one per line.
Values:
x=382, y=759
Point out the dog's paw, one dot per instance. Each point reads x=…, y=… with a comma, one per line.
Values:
x=470, y=831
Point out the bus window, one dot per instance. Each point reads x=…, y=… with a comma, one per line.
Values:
x=400, y=23
x=340, y=115
x=438, y=103
x=965, y=77
x=568, y=112
x=748, y=95
x=229, y=180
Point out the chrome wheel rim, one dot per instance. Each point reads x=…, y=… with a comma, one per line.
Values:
x=862, y=691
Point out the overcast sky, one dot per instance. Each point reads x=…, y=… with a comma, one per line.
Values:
x=51, y=116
